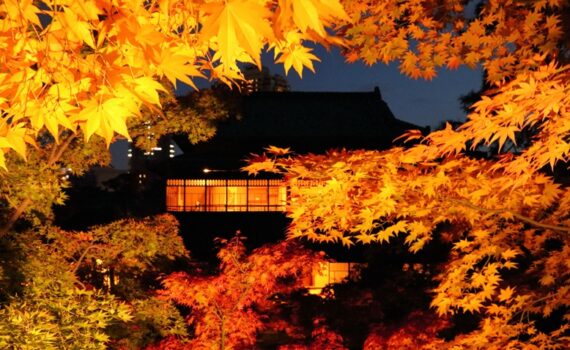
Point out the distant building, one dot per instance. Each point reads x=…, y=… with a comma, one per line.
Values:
x=140, y=160
x=211, y=197
x=223, y=199
x=257, y=80
x=206, y=177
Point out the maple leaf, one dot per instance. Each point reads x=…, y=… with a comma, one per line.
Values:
x=297, y=57
x=24, y=9
x=506, y=294
x=260, y=165
x=547, y=280
x=510, y=265
x=106, y=118
x=309, y=14
x=453, y=63
x=306, y=16
x=393, y=230
x=12, y=138
x=177, y=67
x=383, y=235
x=237, y=24
x=278, y=151
x=462, y=244
x=346, y=241
x=79, y=28
x=410, y=135
x=472, y=305
x=147, y=90
x=509, y=254
x=365, y=238
x=86, y=9
x=478, y=279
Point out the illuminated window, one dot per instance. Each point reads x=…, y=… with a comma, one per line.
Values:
x=331, y=272
x=257, y=193
x=277, y=197
x=195, y=196
x=216, y=198
x=226, y=195
x=237, y=197
x=175, y=195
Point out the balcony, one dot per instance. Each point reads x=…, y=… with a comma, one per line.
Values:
x=226, y=195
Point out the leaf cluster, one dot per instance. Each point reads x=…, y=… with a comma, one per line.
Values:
x=91, y=67
x=228, y=308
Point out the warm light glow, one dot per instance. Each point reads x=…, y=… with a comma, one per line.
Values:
x=228, y=195
x=206, y=170
x=329, y=273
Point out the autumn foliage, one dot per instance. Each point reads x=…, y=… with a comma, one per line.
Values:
x=65, y=289
x=229, y=309
x=77, y=74
x=90, y=66
x=495, y=179
x=417, y=331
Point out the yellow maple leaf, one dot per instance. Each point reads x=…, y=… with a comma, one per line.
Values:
x=346, y=241
x=398, y=227
x=106, y=119
x=495, y=309
x=314, y=14
x=298, y=57
x=472, y=304
x=79, y=29
x=383, y=235
x=478, y=279
x=235, y=25
x=259, y=165
x=147, y=90
x=177, y=67
x=14, y=138
x=21, y=9
x=87, y=9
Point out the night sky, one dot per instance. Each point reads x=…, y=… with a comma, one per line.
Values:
x=416, y=101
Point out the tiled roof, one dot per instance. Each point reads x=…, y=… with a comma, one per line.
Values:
x=304, y=121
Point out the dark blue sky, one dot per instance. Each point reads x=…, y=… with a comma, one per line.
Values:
x=416, y=101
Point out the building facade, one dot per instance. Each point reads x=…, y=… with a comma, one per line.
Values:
x=210, y=196
x=207, y=177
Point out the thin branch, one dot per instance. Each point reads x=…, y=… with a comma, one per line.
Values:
x=55, y=156
x=514, y=214
x=78, y=263
x=15, y=216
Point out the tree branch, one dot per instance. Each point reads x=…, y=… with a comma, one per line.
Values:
x=78, y=263
x=55, y=155
x=514, y=214
x=15, y=216
x=58, y=151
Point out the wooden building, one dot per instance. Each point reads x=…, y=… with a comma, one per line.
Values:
x=211, y=197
